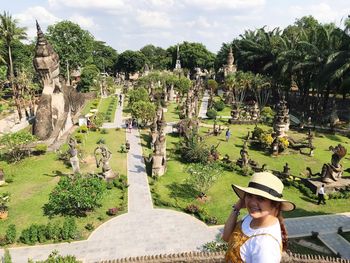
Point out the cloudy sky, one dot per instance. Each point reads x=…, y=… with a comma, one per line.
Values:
x=132, y=24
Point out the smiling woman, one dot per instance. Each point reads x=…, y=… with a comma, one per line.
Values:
x=261, y=235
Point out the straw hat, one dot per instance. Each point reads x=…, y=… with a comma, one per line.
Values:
x=267, y=185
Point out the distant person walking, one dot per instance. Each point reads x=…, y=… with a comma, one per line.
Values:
x=120, y=99
x=130, y=126
x=320, y=194
x=228, y=134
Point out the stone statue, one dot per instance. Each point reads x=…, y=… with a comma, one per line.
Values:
x=229, y=67
x=159, y=157
x=58, y=103
x=281, y=121
x=332, y=171
x=286, y=171
x=178, y=62
x=102, y=156
x=158, y=144
x=74, y=160
x=244, y=160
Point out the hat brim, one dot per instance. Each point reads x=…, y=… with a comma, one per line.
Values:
x=240, y=191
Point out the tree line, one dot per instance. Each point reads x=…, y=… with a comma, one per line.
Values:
x=311, y=56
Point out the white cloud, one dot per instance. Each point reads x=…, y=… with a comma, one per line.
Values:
x=225, y=4
x=323, y=12
x=160, y=3
x=83, y=21
x=202, y=23
x=89, y=4
x=152, y=19
x=39, y=13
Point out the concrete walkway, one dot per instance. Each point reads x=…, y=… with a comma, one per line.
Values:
x=148, y=231
x=118, y=116
x=204, y=106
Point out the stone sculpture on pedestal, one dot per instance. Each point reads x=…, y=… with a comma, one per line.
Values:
x=102, y=156
x=281, y=122
x=159, y=146
x=74, y=160
x=333, y=171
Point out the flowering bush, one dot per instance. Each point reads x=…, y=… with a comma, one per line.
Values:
x=191, y=208
x=283, y=143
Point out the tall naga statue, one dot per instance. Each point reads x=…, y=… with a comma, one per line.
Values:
x=57, y=103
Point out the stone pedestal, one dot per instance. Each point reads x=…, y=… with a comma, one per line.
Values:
x=315, y=183
x=74, y=161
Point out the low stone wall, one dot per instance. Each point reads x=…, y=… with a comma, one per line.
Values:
x=218, y=257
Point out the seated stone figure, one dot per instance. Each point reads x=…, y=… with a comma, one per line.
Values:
x=332, y=171
x=103, y=155
x=73, y=151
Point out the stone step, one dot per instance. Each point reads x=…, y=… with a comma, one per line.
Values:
x=336, y=243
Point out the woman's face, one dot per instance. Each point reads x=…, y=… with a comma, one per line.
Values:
x=259, y=207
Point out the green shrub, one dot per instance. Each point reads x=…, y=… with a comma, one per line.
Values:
x=101, y=141
x=104, y=131
x=69, y=229
x=267, y=115
x=257, y=132
x=53, y=231
x=40, y=148
x=215, y=246
x=83, y=129
x=11, y=234
x=54, y=257
x=219, y=105
x=79, y=138
x=15, y=145
x=98, y=119
x=89, y=226
x=211, y=114
x=121, y=182
x=75, y=196
x=29, y=235
x=41, y=233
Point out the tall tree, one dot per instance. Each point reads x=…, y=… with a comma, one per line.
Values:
x=130, y=62
x=157, y=57
x=73, y=45
x=104, y=57
x=9, y=34
x=193, y=55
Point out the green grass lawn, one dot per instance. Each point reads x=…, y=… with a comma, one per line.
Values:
x=36, y=176
x=172, y=190
x=225, y=112
x=104, y=105
x=172, y=113
x=89, y=105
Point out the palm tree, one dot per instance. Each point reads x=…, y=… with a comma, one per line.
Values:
x=9, y=33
